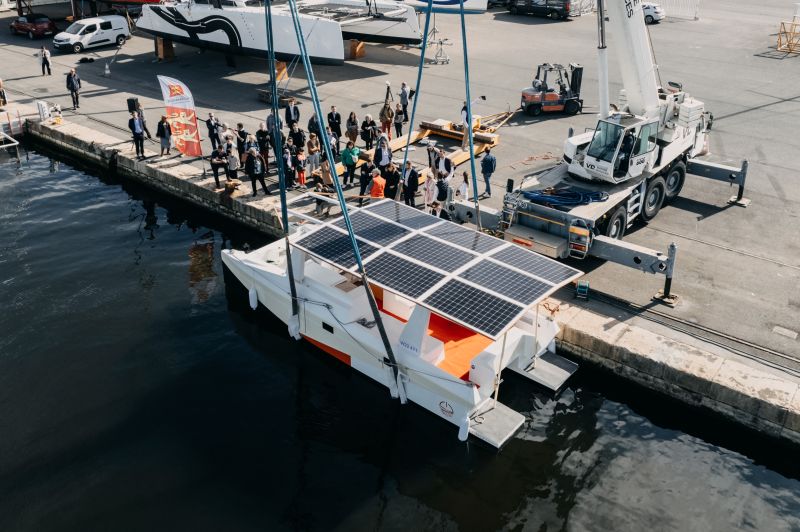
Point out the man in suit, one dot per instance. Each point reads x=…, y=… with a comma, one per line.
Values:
x=292, y=113
x=410, y=184
x=443, y=165
x=74, y=88
x=136, y=125
x=313, y=126
x=335, y=121
x=213, y=130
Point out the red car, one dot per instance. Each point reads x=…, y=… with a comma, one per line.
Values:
x=33, y=25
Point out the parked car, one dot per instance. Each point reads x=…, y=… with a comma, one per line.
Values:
x=653, y=13
x=33, y=25
x=547, y=8
x=91, y=32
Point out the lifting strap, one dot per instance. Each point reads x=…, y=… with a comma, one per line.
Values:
x=312, y=85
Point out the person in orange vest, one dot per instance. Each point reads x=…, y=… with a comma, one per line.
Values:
x=376, y=185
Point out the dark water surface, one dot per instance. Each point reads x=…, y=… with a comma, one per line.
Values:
x=136, y=395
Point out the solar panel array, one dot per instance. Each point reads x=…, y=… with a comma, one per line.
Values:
x=472, y=278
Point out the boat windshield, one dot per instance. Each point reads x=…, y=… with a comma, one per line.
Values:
x=75, y=29
x=605, y=141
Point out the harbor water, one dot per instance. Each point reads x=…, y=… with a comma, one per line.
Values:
x=138, y=393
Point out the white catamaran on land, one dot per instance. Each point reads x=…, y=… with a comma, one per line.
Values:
x=458, y=307
x=237, y=26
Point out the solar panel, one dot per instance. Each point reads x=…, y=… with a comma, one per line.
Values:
x=484, y=312
x=334, y=246
x=465, y=238
x=469, y=277
x=402, y=214
x=433, y=252
x=535, y=264
x=506, y=281
x=401, y=275
x=373, y=229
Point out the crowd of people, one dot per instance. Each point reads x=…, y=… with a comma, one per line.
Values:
x=369, y=166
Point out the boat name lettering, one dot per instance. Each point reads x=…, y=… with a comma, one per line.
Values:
x=408, y=346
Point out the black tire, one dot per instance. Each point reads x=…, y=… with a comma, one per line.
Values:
x=617, y=223
x=534, y=109
x=673, y=181
x=120, y=40
x=572, y=107
x=30, y=35
x=553, y=15
x=77, y=47
x=648, y=19
x=653, y=198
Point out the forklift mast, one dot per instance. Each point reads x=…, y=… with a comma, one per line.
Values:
x=575, y=79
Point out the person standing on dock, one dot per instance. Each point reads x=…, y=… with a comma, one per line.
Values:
x=3, y=97
x=241, y=140
x=382, y=155
x=335, y=121
x=351, y=126
x=262, y=138
x=349, y=160
x=410, y=184
x=254, y=168
x=386, y=117
x=333, y=140
x=488, y=166
x=405, y=96
x=74, y=88
x=392, y=181
x=164, y=132
x=219, y=161
x=398, y=121
x=292, y=113
x=313, y=126
x=377, y=185
x=136, y=125
x=44, y=59
x=313, y=147
x=443, y=165
x=213, y=130
x=365, y=179
x=369, y=131
x=464, y=125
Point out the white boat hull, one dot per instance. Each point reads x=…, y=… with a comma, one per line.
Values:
x=388, y=22
x=242, y=30
x=334, y=315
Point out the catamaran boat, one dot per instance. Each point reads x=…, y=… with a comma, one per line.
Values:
x=237, y=26
x=239, y=29
x=457, y=306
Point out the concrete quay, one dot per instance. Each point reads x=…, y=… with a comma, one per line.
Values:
x=756, y=397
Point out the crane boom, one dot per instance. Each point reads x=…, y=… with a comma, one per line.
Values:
x=635, y=56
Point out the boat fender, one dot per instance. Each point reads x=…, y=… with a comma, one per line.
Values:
x=253, y=298
x=392, y=383
x=463, y=429
x=294, y=327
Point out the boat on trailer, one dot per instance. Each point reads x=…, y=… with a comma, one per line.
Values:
x=458, y=306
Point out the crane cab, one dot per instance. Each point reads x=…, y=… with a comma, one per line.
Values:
x=621, y=147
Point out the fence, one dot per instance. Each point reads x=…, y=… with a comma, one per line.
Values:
x=683, y=9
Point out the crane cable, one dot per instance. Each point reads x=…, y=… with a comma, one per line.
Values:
x=312, y=85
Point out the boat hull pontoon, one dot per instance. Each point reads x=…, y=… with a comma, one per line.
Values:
x=448, y=365
x=242, y=30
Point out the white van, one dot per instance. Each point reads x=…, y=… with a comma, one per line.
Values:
x=91, y=32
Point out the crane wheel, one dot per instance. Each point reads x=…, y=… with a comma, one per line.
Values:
x=615, y=227
x=653, y=198
x=534, y=109
x=571, y=107
x=674, y=180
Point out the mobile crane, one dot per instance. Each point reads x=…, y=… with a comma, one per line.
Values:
x=628, y=167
